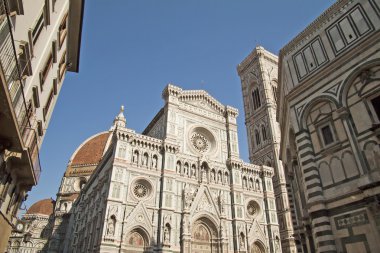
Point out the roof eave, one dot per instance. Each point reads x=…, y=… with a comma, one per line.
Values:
x=74, y=37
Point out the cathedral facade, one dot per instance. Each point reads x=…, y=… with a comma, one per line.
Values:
x=180, y=186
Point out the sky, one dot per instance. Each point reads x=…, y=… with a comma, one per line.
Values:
x=131, y=50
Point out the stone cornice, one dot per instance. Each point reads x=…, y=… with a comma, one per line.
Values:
x=190, y=95
x=254, y=56
x=145, y=141
x=194, y=95
x=250, y=168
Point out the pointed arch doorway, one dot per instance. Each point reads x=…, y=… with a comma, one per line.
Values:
x=257, y=247
x=204, y=237
x=137, y=241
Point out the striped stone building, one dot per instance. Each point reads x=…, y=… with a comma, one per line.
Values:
x=329, y=78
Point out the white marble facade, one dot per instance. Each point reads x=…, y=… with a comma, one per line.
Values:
x=178, y=187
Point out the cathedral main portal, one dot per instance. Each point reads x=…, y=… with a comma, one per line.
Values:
x=204, y=237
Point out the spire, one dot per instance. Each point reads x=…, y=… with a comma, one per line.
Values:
x=120, y=120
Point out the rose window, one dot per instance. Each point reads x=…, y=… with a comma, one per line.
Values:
x=253, y=208
x=200, y=142
x=141, y=188
x=140, y=191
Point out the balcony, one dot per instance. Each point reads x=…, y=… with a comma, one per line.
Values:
x=18, y=138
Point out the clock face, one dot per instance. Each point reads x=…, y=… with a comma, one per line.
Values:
x=19, y=226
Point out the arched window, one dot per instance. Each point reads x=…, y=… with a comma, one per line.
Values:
x=274, y=89
x=257, y=136
x=256, y=99
x=264, y=132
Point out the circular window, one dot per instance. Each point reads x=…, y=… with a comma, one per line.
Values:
x=253, y=208
x=202, y=140
x=141, y=188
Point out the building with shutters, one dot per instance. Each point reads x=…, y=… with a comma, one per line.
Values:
x=39, y=42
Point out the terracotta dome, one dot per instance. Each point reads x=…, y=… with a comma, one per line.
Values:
x=91, y=151
x=45, y=207
x=88, y=155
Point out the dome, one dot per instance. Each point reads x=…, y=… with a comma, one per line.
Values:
x=88, y=154
x=91, y=151
x=45, y=207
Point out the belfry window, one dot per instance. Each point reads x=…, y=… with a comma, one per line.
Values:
x=274, y=89
x=264, y=133
x=256, y=99
x=257, y=136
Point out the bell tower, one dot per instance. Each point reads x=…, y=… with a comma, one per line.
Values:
x=258, y=74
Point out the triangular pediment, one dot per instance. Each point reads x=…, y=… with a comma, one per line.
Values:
x=139, y=216
x=204, y=202
x=255, y=232
x=201, y=99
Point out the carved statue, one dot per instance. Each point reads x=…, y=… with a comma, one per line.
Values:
x=111, y=227
x=277, y=244
x=166, y=235
x=188, y=197
x=135, y=157
x=221, y=202
x=154, y=162
x=204, y=173
x=242, y=243
x=193, y=172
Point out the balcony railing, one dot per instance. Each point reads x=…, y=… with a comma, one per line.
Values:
x=11, y=69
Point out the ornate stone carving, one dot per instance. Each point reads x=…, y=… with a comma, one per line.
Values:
x=205, y=205
x=141, y=189
x=200, y=142
x=188, y=197
x=221, y=202
x=167, y=236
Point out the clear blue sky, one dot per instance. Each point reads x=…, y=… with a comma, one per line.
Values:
x=131, y=49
